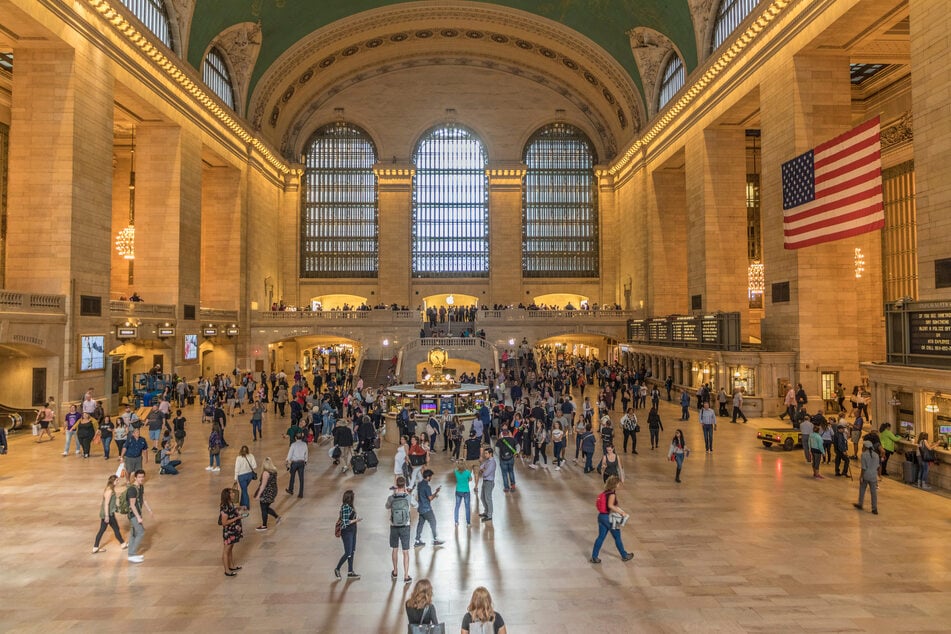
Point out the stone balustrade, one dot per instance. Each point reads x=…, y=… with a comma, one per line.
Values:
x=16, y=302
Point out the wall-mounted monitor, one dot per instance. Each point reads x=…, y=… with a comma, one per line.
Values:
x=123, y=332
x=231, y=331
x=191, y=347
x=427, y=406
x=209, y=332
x=92, y=353
x=164, y=332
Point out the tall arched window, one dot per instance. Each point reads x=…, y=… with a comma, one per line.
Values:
x=450, y=205
x=560, y=207
x=671, y=81
x=339, y=232
x=729, y=16
x=215, y=73
x=154, y=15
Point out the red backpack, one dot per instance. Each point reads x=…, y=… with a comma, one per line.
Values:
x=602, y=502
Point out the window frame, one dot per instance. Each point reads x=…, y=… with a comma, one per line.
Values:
x=147, y=11
x=730, y=15
x=672, y=79
x=214, y=58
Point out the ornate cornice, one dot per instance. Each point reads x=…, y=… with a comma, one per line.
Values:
x=898, y=133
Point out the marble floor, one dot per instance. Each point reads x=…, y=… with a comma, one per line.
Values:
x=749, y=542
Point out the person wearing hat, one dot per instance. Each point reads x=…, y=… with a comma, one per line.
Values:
x=840, y=443
x=869, y=478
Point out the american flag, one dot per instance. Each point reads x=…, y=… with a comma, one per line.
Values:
x=835, y=190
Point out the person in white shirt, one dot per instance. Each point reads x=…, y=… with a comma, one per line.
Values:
x=296, y=461
x=400, y=458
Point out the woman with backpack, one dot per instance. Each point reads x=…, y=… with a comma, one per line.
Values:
x=347, y=521
x=607, y=506
x=214, y=448
x=107, y=515
x=481, y=617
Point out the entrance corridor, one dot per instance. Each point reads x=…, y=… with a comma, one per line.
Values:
x=749, y=542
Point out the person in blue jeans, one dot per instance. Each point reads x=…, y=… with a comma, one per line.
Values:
x=463, y=476
x=684, y=405
x=168, y=466
x=587, y=447
x=607, y=504
x=506, y=448
x=708, y=421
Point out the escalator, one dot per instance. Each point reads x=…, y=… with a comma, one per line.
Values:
x=16, y=418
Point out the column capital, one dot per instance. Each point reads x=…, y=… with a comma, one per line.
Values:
x=505, y=175
x=394, y=176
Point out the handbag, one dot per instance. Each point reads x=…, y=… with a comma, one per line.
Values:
x=429, y=628
x=254, y=474
x=338, y=527
x=235, y=494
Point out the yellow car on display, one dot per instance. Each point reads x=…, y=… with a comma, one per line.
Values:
x=786, y=438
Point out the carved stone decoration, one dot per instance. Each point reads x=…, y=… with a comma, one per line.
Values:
x=702, y=13
x=898, y=133
x=183, y=11
x=241, y=43
x=650, y=49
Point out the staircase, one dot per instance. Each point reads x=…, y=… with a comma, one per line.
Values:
x=374, y=372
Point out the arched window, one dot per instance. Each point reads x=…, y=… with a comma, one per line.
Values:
x=560, y=207
x=671, y=81
x=215, y=73
x=154, y=15
x=729, y=16
x=450, y=205
x=339, y=232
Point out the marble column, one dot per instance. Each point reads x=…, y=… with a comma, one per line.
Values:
x=395, y=187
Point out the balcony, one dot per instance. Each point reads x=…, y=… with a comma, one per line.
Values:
x=30, y=303
x=118, y=308
x=382, y=317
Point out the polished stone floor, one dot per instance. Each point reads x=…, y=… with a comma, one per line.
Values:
x=749, y=542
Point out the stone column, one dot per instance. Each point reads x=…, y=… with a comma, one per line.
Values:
x=610, y=244
x=715, y=171
x=59, y=205
x=221, y=230
x=505, y=233
x=395, y=187
x=667, y=249
x=930, y=57
x=801, y=109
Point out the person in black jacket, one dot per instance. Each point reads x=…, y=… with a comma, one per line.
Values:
x=343, y=438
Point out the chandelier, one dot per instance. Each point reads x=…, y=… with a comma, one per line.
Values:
x=125, y=239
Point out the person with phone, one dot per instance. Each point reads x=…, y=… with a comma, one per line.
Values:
x=348, y=534
x=426, y=496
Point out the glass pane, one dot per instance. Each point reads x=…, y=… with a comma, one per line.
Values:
x=217, y=78
x=730, y=15
x=154, y=15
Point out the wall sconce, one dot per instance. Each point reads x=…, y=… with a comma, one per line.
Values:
x=386, y=343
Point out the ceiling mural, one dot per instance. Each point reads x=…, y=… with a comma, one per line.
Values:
x=284, y=23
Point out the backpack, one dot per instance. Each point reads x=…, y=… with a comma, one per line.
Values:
x=122, y=501
x=506, y=450
x=399, y=510
x=407, y=469
x=602, y=502
x=481, y=627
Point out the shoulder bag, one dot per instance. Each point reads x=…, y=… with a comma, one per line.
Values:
x=254, y=474
x=430, y=628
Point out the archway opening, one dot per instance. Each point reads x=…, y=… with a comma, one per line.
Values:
x=337, y=301
x=562, y=301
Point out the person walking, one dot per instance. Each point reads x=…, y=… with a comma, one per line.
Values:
x=45, y=417
x=607, y=505
x=257, y=419
x=107, y=515
x=343, y=438
x=347, y=520
x=231, y=531
x=399, y=507
x=738, y=405
x=215, y=444
x=463, y=476
x=296, y=461
x=708, y=422
x=869, y=478
x=805, y=430
x=245, y=470
x=487, y=477
x=178, y=431
x=85, y=432
x=654, y=426
x=419, y=607
x=558, y=442
x=480, y=616
x=684, y=405
x=106, y=430
x=629, y=428
x=840, y=444
x=267, y=493
x=610, y=465
x=816, y=450
x=587, y=447
x=507, y=452
x=425, y=496
x=135, y=494
x=677, y=452
x=132, y=452
x=540, y=445
x=70, y=420
x=121, y=434
x=418, y=457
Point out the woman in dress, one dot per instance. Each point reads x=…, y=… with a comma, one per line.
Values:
x=419, y=608
x=267, y=493
x=677, y=452
x=348, y=534
x=607, y=505
x=107, y=515
x=106, y=429
x=481, y=616
x=611, y=464
x=463, y=476
x=231, y=531
x=85, y=432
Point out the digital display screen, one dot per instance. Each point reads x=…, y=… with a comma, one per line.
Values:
x=191, y=347
x=210, y=332
x=92, y=353
x=944, y=429
x=427, y=407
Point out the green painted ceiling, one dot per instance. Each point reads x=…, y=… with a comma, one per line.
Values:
x=284, y=22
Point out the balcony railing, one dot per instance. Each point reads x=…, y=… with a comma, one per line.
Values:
x=141, y=309
x=218, y=314
x=14, y=302
x=376, y=315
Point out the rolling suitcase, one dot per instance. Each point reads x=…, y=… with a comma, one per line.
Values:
x=358, y=464
x=372, y=461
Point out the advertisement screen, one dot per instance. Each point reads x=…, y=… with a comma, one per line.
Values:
x=191, y=347
x=92, y=354
x=427, y=407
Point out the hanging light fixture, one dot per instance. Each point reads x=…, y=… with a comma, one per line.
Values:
x=125, y=239
x=932, y=407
